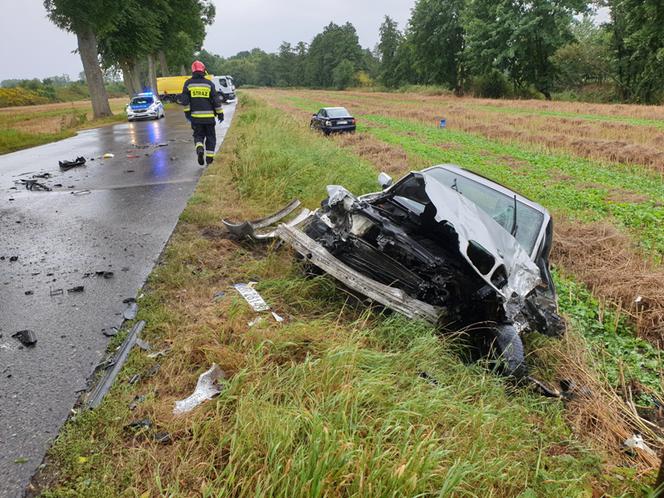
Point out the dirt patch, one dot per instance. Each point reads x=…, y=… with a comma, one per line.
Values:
x=386, y=157
x=606, y=261
x=626, y=196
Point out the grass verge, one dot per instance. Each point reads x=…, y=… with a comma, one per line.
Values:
x=21, y=128
x=329, y=403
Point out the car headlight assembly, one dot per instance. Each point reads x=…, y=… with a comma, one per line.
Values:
x=328, y=123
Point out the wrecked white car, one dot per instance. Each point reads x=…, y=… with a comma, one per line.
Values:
x=444, y=245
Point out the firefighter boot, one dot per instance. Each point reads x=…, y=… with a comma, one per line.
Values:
x=200, y=152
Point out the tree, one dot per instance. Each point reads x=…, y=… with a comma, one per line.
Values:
x=88, y=19
x=519, y=38
x=328, y=49
x=343, y=75
x=437, y=39
x=390, y=39
x=637, y=45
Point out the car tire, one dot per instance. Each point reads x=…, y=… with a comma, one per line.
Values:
x=508, y=352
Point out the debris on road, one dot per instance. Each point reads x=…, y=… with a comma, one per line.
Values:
x=56, y=292
x=206, y=389
x=76, y=290
x=34, y=184
x=67, y=165
x=112, y=332
x=136, y=401
x=26, y=337
x=101, y=273
x=108, y=155
x=97, y=395
x=252, y=297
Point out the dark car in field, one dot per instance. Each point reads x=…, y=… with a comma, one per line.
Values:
x=333, y=120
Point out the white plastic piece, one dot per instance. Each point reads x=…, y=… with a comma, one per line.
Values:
x=637, y=442
x=108, y=155
x=252, y=297
x=206, y=389
x=278, y=318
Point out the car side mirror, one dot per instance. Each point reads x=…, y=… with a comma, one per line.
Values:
x=384, y=180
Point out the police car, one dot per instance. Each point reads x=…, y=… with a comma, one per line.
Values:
x=145, y=106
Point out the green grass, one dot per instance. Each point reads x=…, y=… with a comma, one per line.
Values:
x=13, y=140
x=330, y=403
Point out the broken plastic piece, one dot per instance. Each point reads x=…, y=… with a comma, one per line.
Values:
x=67, y=165
x=143, y=345
x=75, y=290
x=108, y=155
x=205, y=390
x=131, y=311
x=278, y=318
x=27, y=337
x=162, y=437
x=138, y=425
x=252, y=297
x=636, y=442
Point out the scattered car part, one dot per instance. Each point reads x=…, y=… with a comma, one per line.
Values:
x=26, y=337
x=248, y=228
x=76, y=290
x=67, y=165
x=139, y=425
x=34, y=184
x=162, y=437
x=136, y=401
x=636, y=442
x=206, y=389
x=252, y=297
x=105, y=383
x=143, y=344
x=131, y=311
x=108, y=155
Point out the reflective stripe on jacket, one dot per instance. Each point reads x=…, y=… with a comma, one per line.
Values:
x=201, y=101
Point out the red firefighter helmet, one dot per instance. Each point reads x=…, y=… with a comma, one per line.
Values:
x=198, y=66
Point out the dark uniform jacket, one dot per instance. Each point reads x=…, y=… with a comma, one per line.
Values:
x=201, y=100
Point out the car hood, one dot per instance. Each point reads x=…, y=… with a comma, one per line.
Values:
x=472, y=224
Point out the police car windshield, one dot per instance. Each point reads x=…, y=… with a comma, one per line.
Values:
x=142, y=101
x=337, y=112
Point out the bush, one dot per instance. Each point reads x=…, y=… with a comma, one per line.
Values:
x=11, y=97
x=492, y=85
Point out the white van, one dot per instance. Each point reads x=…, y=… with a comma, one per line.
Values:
x=225, y=86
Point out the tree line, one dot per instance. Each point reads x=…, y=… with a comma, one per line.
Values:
x=142, y=38
x=491, y=48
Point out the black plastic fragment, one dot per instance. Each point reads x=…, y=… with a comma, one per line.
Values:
x=67, y=165
x=75, y=290
x=26, y=337
x=163, y=437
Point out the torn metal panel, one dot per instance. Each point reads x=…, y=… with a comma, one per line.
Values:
x=389, y=297
x=105, y=383
x=206, y=389
x=248, y=228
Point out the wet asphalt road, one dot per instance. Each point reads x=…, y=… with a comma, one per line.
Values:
x=110, y=215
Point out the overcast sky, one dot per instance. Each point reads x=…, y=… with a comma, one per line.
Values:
x=44, y=50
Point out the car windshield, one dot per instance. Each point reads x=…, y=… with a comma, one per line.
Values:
x=337, y=112
x=223, y=82
x=497, y=205
x=142, y=101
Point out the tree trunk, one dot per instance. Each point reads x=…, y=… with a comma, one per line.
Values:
x=163, y=63
x=152, y=73
x=183, y=71
x=87, y=47
x=128, y=79
x=135, y=72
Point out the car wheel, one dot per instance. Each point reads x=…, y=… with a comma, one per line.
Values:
x=508, y=352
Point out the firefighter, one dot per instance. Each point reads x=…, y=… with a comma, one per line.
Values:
x=202, y=104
